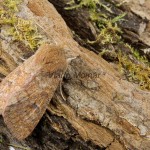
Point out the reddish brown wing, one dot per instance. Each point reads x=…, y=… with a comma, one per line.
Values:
x=29, y=88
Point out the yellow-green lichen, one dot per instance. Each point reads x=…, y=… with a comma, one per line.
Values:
x=19, y=29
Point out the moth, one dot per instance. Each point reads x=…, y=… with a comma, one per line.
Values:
x=26, y=91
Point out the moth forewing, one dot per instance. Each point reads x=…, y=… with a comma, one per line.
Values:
x=31, y=87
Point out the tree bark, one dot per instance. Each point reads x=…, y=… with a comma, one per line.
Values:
x=135, y=26
x=100, y=109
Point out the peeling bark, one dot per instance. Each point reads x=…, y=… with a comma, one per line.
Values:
x=99, y=106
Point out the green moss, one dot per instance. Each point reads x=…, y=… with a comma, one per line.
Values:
x=18, y=28
x=12, y=5
x=137, y=55
x=83, y=3
x=1, y=139
x=134, y=66
x=108, y=29
x=136, y=72
x=108, y=34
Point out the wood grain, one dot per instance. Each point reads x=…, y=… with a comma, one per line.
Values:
x=27, y=91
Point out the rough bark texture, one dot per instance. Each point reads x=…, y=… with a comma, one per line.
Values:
x=135, y=27
x=100, y=111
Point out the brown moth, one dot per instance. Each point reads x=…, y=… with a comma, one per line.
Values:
x=27, y=91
